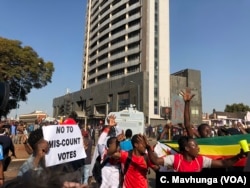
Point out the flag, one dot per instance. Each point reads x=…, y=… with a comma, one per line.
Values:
x=220, y=147
x=163, y=150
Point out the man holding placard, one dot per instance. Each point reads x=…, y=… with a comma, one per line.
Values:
x=40, y=148
x=55, y=149
x=65, y=143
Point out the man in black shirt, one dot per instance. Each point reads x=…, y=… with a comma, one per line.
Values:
x=8, y=146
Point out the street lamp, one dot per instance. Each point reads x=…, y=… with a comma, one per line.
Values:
x=138, y=94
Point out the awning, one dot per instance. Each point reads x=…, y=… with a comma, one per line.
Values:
x=80, y=114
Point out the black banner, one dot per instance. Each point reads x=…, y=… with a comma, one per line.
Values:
x=203, y=179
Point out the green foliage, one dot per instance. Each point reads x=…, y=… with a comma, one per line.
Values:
x=240, y=107
x=23, y=69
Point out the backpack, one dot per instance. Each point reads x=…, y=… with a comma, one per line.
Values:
x=126, y=165
x=97, y=169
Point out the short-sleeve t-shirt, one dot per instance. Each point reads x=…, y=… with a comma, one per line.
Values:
x=179, y=164
x=136, y=175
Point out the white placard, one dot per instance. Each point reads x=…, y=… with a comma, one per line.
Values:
x=65, y=142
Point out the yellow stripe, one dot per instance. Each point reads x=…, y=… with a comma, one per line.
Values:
x=175, y=146
x=221, y=150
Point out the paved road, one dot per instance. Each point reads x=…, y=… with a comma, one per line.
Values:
x=13, y=168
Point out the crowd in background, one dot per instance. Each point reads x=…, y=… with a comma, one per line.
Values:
x=170, y=131
x=125, y=157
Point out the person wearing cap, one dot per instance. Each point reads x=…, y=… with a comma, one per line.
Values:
x=69, y=121
x=77, y=165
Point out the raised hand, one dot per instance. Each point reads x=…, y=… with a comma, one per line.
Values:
x=111, y=120
x=187, y=95
x=143, y=140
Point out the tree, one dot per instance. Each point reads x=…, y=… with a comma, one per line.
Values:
x=23, y=69
x=240, y=107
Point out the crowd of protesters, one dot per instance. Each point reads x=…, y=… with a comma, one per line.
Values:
x=125, y=157
x=173, y=132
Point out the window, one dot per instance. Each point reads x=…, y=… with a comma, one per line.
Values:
x=123, y=100
x=117, y=73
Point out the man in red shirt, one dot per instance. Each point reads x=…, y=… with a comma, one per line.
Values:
x=189, y=160
x=136, y=174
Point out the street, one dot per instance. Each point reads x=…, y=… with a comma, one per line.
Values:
x=13, y=168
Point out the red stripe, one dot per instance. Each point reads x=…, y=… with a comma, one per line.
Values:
x=241, y=162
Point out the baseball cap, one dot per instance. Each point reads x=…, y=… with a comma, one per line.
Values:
x=69, y=121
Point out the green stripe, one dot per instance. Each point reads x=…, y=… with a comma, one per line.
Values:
x=219, y=140
x=219, y=150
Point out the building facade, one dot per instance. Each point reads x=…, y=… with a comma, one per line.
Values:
x=187, y=78
x=126, y=61
x=126, y=56
x=32, y=117
x=90, y=106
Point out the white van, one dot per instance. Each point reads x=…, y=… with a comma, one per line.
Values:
x=130, y=118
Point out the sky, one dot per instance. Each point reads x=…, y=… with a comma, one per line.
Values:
x=212, y=36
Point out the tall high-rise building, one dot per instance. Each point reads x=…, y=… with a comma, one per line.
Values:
x=129, y=38
x=126, y=60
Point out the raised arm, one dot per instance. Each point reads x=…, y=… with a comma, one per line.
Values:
x=104, y=134
x=227, y=162
x=152, y=156
x=187, y=97
x=241, y=128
